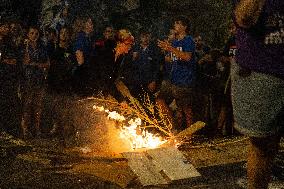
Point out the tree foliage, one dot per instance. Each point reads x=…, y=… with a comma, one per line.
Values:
x=210, y=18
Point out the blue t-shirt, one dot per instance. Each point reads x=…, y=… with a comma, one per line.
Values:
x=183, y=73
x=83, y=43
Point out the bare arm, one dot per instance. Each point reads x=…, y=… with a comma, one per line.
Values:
x=164, y=45
x=26, y=59
x=204, y=59
x=79, y=57
x=10, y=61
x=247, y=12
x=186, y=56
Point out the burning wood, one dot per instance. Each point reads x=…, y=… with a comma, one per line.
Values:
x=190, y=130
x=147, y=112
x=134, y=131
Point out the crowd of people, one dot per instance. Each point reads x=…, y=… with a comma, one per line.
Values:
x=63, y=62
x=186, y=78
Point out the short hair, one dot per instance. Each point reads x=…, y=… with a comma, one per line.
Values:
x=124, y=35
x=144, y=32
x=36, y=27
x=68, y=29
x=105, y=26
x=184, y=21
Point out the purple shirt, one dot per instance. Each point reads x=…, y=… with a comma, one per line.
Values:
x=261, y=48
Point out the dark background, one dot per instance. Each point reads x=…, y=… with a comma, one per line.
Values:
x=210, y=18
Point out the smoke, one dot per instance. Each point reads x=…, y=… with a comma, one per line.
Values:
x=97, y=132
x=105, y=137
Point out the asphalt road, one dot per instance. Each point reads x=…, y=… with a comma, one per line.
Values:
x=44, y=163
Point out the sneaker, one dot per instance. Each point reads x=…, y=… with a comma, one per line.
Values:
x=276, y=185
x=26, y=135
x=38, y=135
x=242, y=182
x=245, y=166
x=55, y=131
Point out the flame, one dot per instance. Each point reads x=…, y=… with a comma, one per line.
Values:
x=132, y=132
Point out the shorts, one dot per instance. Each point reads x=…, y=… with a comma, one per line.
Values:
x=182, y=95
x=258, y=103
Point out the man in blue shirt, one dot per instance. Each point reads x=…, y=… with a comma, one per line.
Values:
x=182, y=74
x=83, y=51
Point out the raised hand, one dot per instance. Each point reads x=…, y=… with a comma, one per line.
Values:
x=164, y=45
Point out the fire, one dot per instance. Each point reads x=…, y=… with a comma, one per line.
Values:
x=132, y=132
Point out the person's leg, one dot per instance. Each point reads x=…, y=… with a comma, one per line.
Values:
x=188, y=115
x=221, y=118
x=184, y=114
x=260, y=157
x=27, y=98
x=165, y=96
x=55, y=106
x=258, y=111
x=184, y=100
x=165, y=110
x=225, y=118
x=26, y=119
x=38, y=106
x=67, y=123
x=179, y=117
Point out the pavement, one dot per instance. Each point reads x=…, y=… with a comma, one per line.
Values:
x=45, y=163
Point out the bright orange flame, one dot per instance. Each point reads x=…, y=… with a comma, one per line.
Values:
x=132, y=133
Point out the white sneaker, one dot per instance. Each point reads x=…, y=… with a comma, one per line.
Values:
x=276, y=185
x=242, y=182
